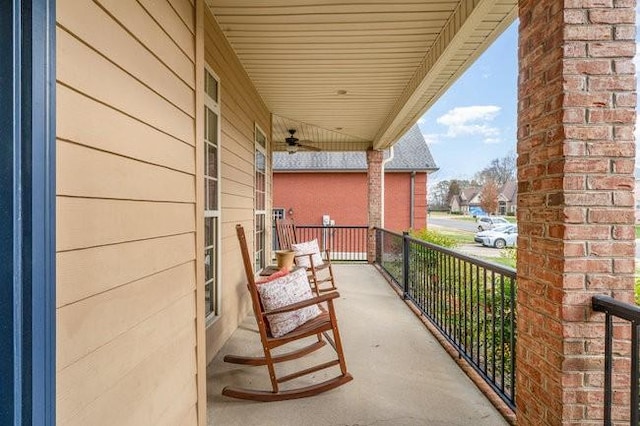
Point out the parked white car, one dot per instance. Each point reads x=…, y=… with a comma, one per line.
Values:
x=498, y=228
x=500, y=239
x=490, y=222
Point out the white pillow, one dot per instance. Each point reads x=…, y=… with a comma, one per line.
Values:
x=283, y=291
x=309, y=247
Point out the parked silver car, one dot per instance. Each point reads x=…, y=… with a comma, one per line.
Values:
x=489, y=222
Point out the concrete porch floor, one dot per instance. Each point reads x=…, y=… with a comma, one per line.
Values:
x=402, y=376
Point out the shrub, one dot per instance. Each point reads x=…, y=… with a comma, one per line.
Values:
x=434, y=237
x=509, y=253
x=457, y=213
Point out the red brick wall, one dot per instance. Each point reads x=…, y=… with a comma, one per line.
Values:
x=576, y=154
x=343, y=196
x=397, y=202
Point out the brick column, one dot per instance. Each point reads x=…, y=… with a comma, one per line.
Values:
x=576, y=151
x=374, y=197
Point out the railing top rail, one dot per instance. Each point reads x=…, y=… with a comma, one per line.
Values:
x=505, y=270
x=396, y=234
x=609, y=305
x=333, y=226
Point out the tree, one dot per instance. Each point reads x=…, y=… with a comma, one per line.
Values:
x=454, y=189
x=438, y=194
x=489, y=197
x=500, y=170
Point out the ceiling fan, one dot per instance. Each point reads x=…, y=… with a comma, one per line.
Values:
x=293, y=143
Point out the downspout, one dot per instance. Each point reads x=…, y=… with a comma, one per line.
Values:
x=413, y=199
x=384, y=162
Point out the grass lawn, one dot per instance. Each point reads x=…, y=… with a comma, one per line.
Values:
x=459, y=217
x=637, y=231
x=502, y=261
x=460, y=237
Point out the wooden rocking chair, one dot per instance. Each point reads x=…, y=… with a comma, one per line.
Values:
x=286, y=231
x=317, y=327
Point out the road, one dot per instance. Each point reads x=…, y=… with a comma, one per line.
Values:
x=463, y=225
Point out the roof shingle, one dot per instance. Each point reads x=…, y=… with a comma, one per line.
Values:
x=410, y=153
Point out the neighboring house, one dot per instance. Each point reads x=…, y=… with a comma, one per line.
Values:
x=507, y=198
x=469, y=200
x=310, y=185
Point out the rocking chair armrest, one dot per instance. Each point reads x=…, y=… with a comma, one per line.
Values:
x=303, y=304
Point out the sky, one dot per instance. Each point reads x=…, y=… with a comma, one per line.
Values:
x=475, y=120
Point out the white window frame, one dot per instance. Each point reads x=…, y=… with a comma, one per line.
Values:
x=263, y=212
x=214, y=106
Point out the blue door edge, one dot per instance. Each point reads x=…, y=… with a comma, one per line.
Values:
x=43, y=193
x=27, y=212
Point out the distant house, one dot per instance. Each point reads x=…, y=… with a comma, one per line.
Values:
x=308, y=186
x=507, y=198
x=468, y=202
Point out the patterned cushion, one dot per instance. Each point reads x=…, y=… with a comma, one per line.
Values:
x=283, y=291
x=309, y=247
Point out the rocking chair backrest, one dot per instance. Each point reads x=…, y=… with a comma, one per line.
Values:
x=286, y=231
x=251, y=282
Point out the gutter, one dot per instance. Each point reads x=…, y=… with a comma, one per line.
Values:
x=384, y=163
x=413, y=199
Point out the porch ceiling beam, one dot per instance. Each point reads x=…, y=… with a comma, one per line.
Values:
x=416, y=99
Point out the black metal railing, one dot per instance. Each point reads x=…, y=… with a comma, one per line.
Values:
x=345, y=243
x=631, y=313
x=471, y=302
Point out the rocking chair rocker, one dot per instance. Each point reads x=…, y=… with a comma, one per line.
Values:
x=319, y=270
x=318, y=327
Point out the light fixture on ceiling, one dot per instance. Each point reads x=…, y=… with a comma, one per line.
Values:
x=293, y=143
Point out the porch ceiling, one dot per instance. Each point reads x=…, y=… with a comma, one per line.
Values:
x=392, y=58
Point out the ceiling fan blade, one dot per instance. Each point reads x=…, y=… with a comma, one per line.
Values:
x=309, y=147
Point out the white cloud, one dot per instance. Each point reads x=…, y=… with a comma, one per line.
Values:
x=431, y=138
x=462, y=115
x=471, y=120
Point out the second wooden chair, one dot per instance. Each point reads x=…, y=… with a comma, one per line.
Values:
x=319, y=269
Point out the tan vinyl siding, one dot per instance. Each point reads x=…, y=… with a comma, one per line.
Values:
x=241, y=107
x=126, y=206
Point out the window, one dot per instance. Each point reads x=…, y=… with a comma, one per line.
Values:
x=277, y=214
x=260, y=198
x=211, y=194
